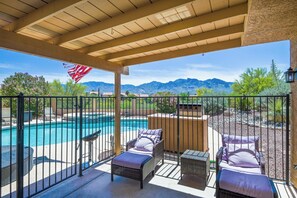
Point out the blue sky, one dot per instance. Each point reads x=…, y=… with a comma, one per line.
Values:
x=226, y=65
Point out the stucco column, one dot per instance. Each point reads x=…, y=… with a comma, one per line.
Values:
x=293, y=50
x=117, y=110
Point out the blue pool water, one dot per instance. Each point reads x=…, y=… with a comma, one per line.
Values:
x=54, y=133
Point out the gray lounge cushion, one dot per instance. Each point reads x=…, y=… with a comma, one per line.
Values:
x=144, y=143
x=131, y=160
x=242, y=155
x=133, y=150
x=224, y=165
x=246, y=184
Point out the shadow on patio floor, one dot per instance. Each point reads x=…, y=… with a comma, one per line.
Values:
x=96, y=182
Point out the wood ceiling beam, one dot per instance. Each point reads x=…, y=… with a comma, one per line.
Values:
x=141, y=12
x=18, y=42
x=179, y=41
x=41, y=14
x=184, y=52
x=241, y=9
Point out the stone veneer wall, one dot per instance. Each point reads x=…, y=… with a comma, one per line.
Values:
x=293, y=50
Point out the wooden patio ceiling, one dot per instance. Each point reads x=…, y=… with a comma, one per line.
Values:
x=112, y=34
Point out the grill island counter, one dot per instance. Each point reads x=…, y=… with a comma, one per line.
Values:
x=193, y=131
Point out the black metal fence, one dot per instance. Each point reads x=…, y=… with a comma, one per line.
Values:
x=200, y=123
x=96, y=132
x=45, y=140
x=38, y=146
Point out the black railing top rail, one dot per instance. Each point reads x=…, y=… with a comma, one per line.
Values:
x=221, y=96
x=144, y=97
x=28, y=96
x=9, y=96
x=98, y=96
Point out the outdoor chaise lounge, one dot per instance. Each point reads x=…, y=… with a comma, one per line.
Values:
x=49, y=114
x=6, y=117
x=240, y=169
x=142, y=156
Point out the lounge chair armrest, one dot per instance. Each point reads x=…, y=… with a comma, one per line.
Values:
x=219, y=158
x=130, y=144
x=262, y=162
x=158, y=149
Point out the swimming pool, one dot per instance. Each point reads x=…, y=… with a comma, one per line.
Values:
x=55, y=133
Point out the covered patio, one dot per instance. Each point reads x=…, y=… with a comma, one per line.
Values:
x=166, y=183
x=113, y=35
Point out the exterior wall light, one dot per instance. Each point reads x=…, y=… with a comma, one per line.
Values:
x=290, y=75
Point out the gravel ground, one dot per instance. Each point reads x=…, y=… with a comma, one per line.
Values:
x=272, y=138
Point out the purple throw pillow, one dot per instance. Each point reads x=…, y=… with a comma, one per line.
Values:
x=242, y=155
x=154, y=134
x=233, y=139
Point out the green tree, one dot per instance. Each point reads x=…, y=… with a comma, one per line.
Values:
x=253, y=82
x=56, y=88
x=30, y=86
x=204, y=91
x=69, y=89
x=25, y=83
x=281, y=87
x=164, y=102
x=127, y=93
x=276, y=73
x=184, y=97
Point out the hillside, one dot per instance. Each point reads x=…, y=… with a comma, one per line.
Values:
x=177, y=86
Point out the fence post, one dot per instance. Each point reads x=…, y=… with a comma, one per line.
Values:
x=178, y=135
x=80, y=134
x=287, y=139
x=20, y=147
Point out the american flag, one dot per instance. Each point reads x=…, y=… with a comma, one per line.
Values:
x=78, y=72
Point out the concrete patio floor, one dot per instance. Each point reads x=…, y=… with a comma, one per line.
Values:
x=166, y=183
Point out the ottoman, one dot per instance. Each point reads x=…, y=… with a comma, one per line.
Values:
x=240, y=184
x=133, y=166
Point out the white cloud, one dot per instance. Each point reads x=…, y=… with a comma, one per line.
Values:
x=203, y=66
x=204, y=75
x=54, y=76
x=8, y=66
x=99, y=75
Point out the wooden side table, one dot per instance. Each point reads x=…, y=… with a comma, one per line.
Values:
x=195, y=163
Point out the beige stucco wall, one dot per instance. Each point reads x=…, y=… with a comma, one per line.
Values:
x=293, y=49
x=269, y=21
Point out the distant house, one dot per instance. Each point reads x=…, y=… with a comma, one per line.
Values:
x=107, y=94
x=123, y=94
x=142, y=95
x=94, y=92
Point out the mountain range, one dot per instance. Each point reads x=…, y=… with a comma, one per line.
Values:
x=188, y=85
